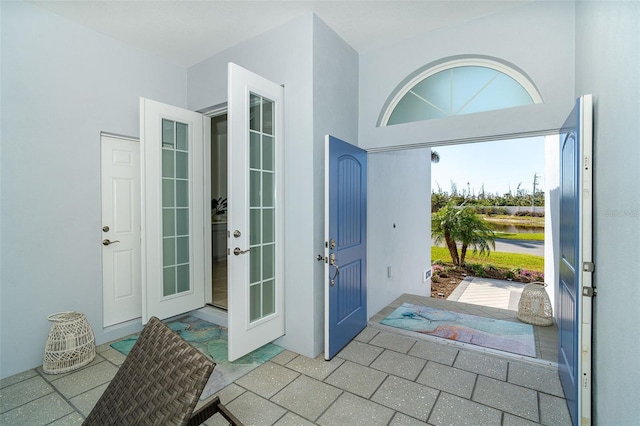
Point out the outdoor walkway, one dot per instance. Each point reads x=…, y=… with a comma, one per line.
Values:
x=488, y=292
x=380, y=378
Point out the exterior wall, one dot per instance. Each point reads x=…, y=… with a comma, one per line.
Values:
x=285, y=56
x=608, y=66
x=399, y=228
x=61, y=86
x=335, y=112
x=538, y=38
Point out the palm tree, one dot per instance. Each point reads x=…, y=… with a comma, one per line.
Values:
x=461, y=225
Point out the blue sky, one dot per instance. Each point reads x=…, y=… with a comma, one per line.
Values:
x=500, y=166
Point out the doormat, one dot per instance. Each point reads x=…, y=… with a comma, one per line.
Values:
x=491, y=333
x=211, y=339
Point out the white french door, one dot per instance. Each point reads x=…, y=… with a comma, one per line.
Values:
x=173, y=209
x=255, y=200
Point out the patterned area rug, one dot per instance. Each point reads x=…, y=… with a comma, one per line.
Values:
x=211, y=339
x=491, y=333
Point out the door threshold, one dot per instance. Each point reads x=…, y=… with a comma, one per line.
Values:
x=213, y=315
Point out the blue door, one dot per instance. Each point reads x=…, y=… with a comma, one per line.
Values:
x=345, y=243
x=575, y=292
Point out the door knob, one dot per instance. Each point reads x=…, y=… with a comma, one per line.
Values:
x=238, y=252
x=107, y=242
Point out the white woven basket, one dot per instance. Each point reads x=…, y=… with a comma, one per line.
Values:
x=534, y=306
x=70, y=344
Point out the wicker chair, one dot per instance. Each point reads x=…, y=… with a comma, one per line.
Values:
x=159, y=383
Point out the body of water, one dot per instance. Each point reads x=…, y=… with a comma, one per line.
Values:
x=514, y=229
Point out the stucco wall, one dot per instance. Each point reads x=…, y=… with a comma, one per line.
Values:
x=335, y=112
x=608, y=66
x=537, y=38
x=285, y=56
x=61, y=86
x=399, y=227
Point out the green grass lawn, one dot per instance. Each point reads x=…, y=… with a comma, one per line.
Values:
x=497, y=259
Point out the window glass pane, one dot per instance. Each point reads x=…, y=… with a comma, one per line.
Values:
x=183, y=278
x=168, y=251
x=254, y=302
x=268, y=225
x=182, y=221
x=183, y=250
x=435, y=90
x=268, y=153
x=411, y=108
x=268, y=298
x=168, y=223
x=255, y=265
x=468, y=82
x=254, y=189
x=254, y=150
x=255, y=226
x=267, y=116
x=182, y=165
x=167, y=193
x=459, y=90
x=167, y=163
x=182, y=193
x=268, y=261
x=182, y=141
x=169, y=281
x=167, y=133
x=254, y=112
x=268, y=189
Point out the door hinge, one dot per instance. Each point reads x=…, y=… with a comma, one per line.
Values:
x=588, y=266
x=589, y=291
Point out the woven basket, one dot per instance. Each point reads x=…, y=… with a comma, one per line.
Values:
x=534, y=306
x=70, y=344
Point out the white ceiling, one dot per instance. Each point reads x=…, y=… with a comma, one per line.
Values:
x=187, y=32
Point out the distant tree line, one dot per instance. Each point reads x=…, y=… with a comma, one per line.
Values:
x=484, y=201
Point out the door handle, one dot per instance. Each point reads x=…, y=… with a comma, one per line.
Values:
x=107, y=242
x=333, y=262
x=238, y=252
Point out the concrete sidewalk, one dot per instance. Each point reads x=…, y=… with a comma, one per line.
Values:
x=488, y=292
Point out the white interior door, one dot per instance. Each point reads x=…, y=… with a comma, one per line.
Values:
x=174, y=208
x=120, y=234
x=255, y=200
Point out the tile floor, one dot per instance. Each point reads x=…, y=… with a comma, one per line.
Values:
x=380, y=378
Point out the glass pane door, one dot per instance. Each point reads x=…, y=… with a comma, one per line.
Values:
x=175, y=208
x=262, y=194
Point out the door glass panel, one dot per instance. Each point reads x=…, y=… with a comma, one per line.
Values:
x=254, y=302
x=182, y=165
x=268, y=157
x=254, y=112
x=267, y=116
x=268, y=225
x=175, y=207
x=168, y=135
x=254, y=150
x=255, y=272
x=182, y=141
x=262, y=212
x=268, y=298
x=254, y=232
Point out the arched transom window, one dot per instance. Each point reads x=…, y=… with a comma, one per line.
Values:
x=458, y=87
